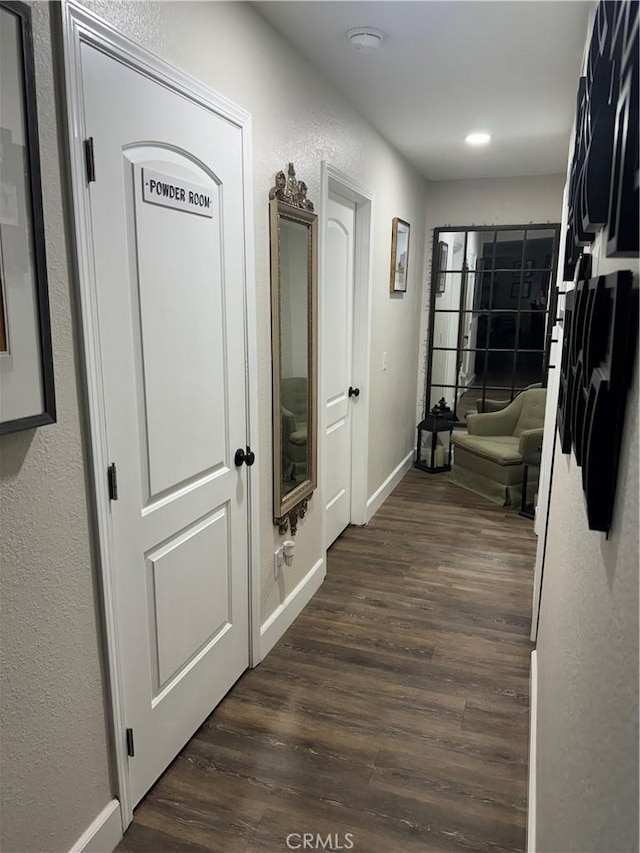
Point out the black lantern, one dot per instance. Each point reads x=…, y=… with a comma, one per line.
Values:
x=439, y=423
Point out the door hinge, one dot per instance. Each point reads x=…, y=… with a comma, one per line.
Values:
x=130, y=750
x=112, y=477
x=89, y=160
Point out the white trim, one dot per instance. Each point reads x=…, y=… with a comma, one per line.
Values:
x=382, y=493
x=103, y=834
x=333, y=179
x=545, y=479
x=81, y=26
x=253, y=428
x=533, y=726
x=284, y=616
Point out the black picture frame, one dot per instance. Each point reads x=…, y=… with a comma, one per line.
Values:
x=443, y=255
x=22, y=246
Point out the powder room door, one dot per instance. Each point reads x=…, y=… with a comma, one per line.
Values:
x=167, y=240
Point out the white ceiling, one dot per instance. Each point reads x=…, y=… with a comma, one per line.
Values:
x=449, y=67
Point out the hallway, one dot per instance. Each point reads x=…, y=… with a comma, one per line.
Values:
x=394, y=709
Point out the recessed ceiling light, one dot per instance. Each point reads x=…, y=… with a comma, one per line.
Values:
x=478, y=139
x=366, y=39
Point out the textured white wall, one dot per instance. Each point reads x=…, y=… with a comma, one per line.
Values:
x=587, y=734
x=54, y=772
x=491, y=201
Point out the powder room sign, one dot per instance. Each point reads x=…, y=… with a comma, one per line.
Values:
x=168, y=191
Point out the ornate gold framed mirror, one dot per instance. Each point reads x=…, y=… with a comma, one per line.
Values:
x=294, y=274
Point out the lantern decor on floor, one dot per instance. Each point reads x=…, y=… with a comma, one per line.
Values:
x=439, y=424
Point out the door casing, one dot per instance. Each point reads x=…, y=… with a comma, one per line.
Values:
x=333, y=179
x=81, y=26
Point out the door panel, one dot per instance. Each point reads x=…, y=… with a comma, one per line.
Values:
x=190, y=594
x=337, y=363
x=185, y=428
x=169, y=280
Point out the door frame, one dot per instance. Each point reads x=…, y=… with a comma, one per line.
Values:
x=79, y=26
x=545, y=480
x=333, y=179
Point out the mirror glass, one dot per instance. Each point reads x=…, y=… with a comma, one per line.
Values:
x=293, y=289
x=294, y=352
x=491, y=290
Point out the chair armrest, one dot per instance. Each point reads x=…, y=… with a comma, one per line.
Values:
x=492, y=423
x=530, y=441
x=288, y=424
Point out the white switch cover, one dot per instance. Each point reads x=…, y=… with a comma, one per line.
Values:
x=278, y=560
x=385, y=360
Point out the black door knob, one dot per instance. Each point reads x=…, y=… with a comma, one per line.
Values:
x=354, y=392
x=248, y=457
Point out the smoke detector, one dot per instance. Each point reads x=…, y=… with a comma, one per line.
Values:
x=366, y=39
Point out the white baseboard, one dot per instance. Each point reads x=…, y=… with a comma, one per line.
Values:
x=293, y=605
x=381, y=494
x=104, y=834
x=533, y=730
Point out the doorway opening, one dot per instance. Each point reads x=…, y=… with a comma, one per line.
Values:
x=492, y=292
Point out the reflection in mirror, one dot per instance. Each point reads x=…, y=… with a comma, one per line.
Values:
x=451, y=252
x=508, y=244
x=455, y=339
x=293, y=290
x=294, y=352
x=440, y=391
x=491, y=296
x=445, y=337
x=540, y=248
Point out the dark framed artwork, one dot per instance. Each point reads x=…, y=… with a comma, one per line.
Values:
x=443, y=256
x=400, y=233
x=526, y=290
x=528, y=266
x=27, y=397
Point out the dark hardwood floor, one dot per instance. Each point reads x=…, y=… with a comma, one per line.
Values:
x=394, y=709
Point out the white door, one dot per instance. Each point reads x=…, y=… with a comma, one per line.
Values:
x=337, y=324
x=168, y=236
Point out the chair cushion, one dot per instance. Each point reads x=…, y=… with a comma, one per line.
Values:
x=506, y=475
x=501, y=449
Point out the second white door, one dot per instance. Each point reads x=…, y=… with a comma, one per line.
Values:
x=337, y=324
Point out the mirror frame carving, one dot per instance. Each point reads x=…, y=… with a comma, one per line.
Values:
x=288, y=200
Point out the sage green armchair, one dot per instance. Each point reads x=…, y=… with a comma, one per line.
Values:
x=499, y=405
x=488, y=458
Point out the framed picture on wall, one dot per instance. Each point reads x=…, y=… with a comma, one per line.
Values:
x=528, y=266
x=441, y=275
x=526, y=290
x=27, y=397
x=399, y=255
